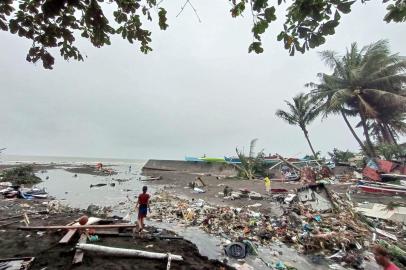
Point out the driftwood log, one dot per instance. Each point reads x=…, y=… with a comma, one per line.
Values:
x=112, y=251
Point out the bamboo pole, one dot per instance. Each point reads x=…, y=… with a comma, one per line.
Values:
x=112, y=251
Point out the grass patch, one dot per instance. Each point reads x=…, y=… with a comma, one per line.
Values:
x=20, y=175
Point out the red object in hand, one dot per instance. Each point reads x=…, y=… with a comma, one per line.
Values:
x=83, y=220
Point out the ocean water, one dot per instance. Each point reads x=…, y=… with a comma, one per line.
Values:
x=75, y=189
x=15, y=159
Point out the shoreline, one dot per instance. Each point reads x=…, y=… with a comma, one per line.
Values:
x=176, y=184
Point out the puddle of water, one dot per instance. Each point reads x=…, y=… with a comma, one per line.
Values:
x=208, y=245
x=212, y=247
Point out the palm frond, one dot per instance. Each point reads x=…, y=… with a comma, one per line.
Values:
x=286, y=116
x=252, y=147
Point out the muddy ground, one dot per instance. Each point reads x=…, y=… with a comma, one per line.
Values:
x=49, y=254
x=177, y=183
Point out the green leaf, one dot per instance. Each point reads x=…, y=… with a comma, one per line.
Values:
x=259, y=4
x=316, y=40
x=396, y=13
x=13, y=25
x=337, y=16
x=238, y=9
x=256, y=47
x=280, y=36
x=345, y=7
x=270, y=14
x=85, y=34
x=162, y=19
x=328, y=27
x=260, y=27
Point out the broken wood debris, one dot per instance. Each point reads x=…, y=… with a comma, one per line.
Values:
x=20, y=263
x=78, y=258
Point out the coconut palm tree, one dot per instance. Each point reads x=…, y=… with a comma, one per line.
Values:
x=249, y=164
x=301, y=113
x=364, y=82
x=322, y=93
x=388, y=126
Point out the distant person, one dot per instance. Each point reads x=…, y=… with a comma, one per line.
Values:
x=143, y=207
x=267, y=182
x=382, y=258
x=129, y=169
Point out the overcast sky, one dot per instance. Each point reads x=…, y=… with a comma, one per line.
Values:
x=199, y=92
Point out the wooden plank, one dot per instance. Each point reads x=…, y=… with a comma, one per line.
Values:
x=10, y=223
x=78, y=258
x=289, y=163
x=41, y=228
x=7, y=218
x=113, y=231
x=68, y=236
x=17, y=259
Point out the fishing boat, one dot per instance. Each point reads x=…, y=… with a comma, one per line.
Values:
x=40, y=196
x=232, y=160
x=392, y=177
x=213, y=159
x=193, y=159
x=205, y=159
x=381, y=188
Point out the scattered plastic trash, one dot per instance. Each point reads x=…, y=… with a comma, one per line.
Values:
x=198, y=190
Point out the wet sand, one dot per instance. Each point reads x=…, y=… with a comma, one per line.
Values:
x=177, y=183
x=51, y=255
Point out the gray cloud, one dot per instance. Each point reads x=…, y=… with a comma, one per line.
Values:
x=199, y=91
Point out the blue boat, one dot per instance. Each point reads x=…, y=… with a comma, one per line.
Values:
x=193, y=159
x=232, y=160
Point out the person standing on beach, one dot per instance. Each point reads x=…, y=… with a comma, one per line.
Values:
x=129, y=169
x=143, y=207
x=267, y=182
x=382, y=258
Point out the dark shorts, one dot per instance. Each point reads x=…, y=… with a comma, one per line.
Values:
x=142, y=211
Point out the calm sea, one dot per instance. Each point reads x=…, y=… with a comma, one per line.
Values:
x=12, y=159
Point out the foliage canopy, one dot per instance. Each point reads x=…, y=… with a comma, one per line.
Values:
x=368, y=83
x=58, y=23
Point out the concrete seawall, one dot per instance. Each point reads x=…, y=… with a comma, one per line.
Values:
x=190, y=167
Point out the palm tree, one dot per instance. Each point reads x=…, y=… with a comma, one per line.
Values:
x=388, y=125
x=301, y=113
x=249, y=164
x=364, y=82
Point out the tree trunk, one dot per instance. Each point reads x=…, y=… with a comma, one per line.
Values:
x=387, y=138
x=353, y=132
x=371, y=149
x=308, y=141
x=391, y=134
